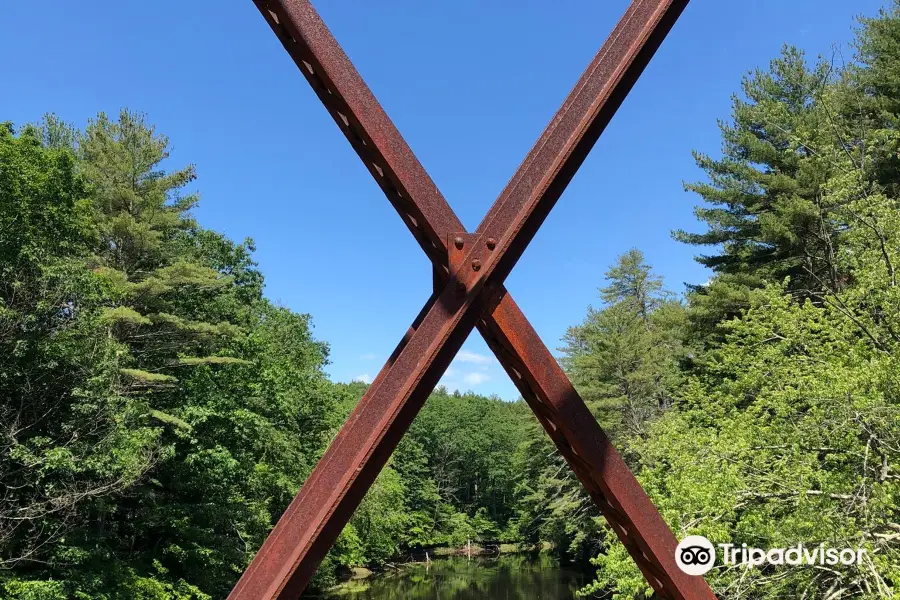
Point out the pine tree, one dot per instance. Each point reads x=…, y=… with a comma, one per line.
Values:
x=623, y=358
x=178, y=411
x=767, y=213
x=73, y=441
x=877, y=105
x=789, y=431
x=163, y=291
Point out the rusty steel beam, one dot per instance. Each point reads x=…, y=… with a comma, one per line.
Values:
x=520, y=209
x=589, y=453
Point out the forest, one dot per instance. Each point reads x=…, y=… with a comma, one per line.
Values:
x=158, y=412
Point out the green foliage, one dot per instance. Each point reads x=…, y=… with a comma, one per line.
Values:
x=470, y=441
x=624, y=357
x=552, y=505
x=159, y=413
x=790, y=433
x=146, y=378
x=212, y=360
x=124, y=315
x=381, y=519
x=73, y=442
x=766, y=213
x=787, y=427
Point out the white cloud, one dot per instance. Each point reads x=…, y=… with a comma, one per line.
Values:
x=368, y=356
x=473, y=357
x=365, y=378
x=467, y=371
x=475, y=378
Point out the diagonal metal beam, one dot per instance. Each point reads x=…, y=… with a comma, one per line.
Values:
x=518, y=212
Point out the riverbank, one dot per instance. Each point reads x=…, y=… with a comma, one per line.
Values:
x=487, y=549
x=528, y=575
x=355, y=575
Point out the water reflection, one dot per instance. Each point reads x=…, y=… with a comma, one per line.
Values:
x=509, y=577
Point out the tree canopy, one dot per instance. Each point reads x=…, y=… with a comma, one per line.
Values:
x=158, y=412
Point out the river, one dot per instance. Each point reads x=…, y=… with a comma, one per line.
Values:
x=508, y=577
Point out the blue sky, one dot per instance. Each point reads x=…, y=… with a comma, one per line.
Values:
x=470, y=84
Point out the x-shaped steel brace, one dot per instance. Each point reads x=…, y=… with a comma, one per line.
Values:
x=469, y=270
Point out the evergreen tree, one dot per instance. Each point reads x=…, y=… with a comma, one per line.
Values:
x=178, y=411
x=623, y=358
x=874, y=104
x=73, y=441
x=767, y=214
x=789, y=431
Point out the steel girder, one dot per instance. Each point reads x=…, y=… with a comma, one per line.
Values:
x=469, y=270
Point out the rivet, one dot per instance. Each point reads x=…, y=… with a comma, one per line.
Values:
x=476, y=265
x=458, y=242
x=491, y=243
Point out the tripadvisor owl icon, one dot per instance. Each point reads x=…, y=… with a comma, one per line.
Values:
x=695, y=555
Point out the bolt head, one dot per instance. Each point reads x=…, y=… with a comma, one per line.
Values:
x=458, y=242
x=476, y=265
x=491, y=243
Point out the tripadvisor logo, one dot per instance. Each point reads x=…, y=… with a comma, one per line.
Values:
x=696, y=555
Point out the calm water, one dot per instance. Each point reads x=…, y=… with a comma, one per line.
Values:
x=509, y=577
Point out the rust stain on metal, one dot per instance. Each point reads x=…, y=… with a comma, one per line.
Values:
x=463, y=299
